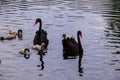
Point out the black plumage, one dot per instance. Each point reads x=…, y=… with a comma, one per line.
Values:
x=41, y=35
x=71, y=47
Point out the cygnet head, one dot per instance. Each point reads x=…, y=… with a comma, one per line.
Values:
x=26, y=55
x=26, y=49
x=20, y=33
x=70, y=37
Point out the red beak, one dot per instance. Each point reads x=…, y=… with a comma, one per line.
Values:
x=36, y=22
x=81, y=34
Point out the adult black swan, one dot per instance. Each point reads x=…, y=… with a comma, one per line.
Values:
x=41, y=35
x=71, y=47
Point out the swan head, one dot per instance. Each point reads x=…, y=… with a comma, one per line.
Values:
x=37, y=47
x=25, y=52
x=20, y=33
x=64, y=36
x=80, y=33
x=38, y=20
x=26, y=49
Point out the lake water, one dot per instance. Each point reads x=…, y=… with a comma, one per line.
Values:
x=99, y=21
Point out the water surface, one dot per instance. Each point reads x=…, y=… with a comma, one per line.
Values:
x=99, y=20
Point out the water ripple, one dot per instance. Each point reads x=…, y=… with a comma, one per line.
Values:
x=61, y=16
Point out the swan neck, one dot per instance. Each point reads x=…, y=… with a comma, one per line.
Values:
x=40, y=26
x=78, y=37
x=40, y=29
x=79, y=45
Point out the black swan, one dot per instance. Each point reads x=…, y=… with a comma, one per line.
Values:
x=25, y=52
x=41, y=35
x=71, y=47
